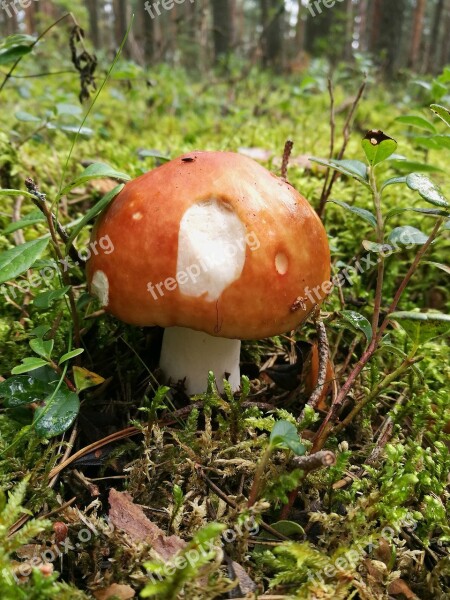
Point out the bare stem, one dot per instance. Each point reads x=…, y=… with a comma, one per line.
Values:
x=327, y=425
x=381, y=260
x=42, y=204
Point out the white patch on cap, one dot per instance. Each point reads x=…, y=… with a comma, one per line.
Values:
x=100, y=287
x=281, y=263
x=211, y=249
x=137, y=216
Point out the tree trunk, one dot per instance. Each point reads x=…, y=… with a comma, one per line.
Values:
x=121, y=24
x=272, y=13
x=377, y=12
x=417, y=34
x=223, y=25
x=146, y=33
x=349, y=28
x=300, y=30
x=387, y=32
x=363, y=28
x=434, y=45
x=326, y=30
x=445, y=51
x=94, y=22
x=30, y=19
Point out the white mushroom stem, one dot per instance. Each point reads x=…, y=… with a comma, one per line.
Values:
x=192, y=354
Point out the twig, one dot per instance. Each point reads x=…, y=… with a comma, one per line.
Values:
x=234, y=504
x=324, y=356
x=42, y=204
x=314, y=462
x=67, y=453
x=328, y=187
x=325, y=428
x=286, y=157
x=381, y=259
x=406, y=364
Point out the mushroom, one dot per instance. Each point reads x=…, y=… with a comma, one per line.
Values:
x=216, y=249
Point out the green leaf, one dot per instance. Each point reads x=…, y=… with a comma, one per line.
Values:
x=85, y=379
x=42, y=348
x=442, y=141
x=416, y=121
x=392, y=181
x=409, y=166
x=10, y=55
x=287, y=528
x=8, y=192
x=378, y=147
x=432, y=212
x=358, y=322
x=23, y=389
x=407, y=235
x=46, y=299
x=442, y=112
x=70, y=355
x=21, y=115
x=423, y=327
x=58, y=413
x=284, y=434
x=440, y=266
x=153, y=154
x=96, y=171
x=351, y=168
x=377, y=248
x=16, y=261
x=32, y=218
x=72, y=130
x=427, y=189
x=93, y=212
x=361, y=212
x=29, y=364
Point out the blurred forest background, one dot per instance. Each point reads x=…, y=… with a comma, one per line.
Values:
x=279, y=34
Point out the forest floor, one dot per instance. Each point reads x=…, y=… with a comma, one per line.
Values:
x=372, y=522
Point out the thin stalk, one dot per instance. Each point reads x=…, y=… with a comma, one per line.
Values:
x=381, y=260
x=327, y=425
x=254, y=492
x=385, y=383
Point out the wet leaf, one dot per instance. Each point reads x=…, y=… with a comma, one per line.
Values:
x=358, y=322
x=427, y=189
x=23, y=389
x=59, y=411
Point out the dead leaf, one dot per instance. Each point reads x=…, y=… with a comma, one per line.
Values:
x=116, y=590
x=246, y=585
x=130, y=518
x=384, y=552
x=401, y=587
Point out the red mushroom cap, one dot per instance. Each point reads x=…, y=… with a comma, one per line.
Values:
x=277, y=249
